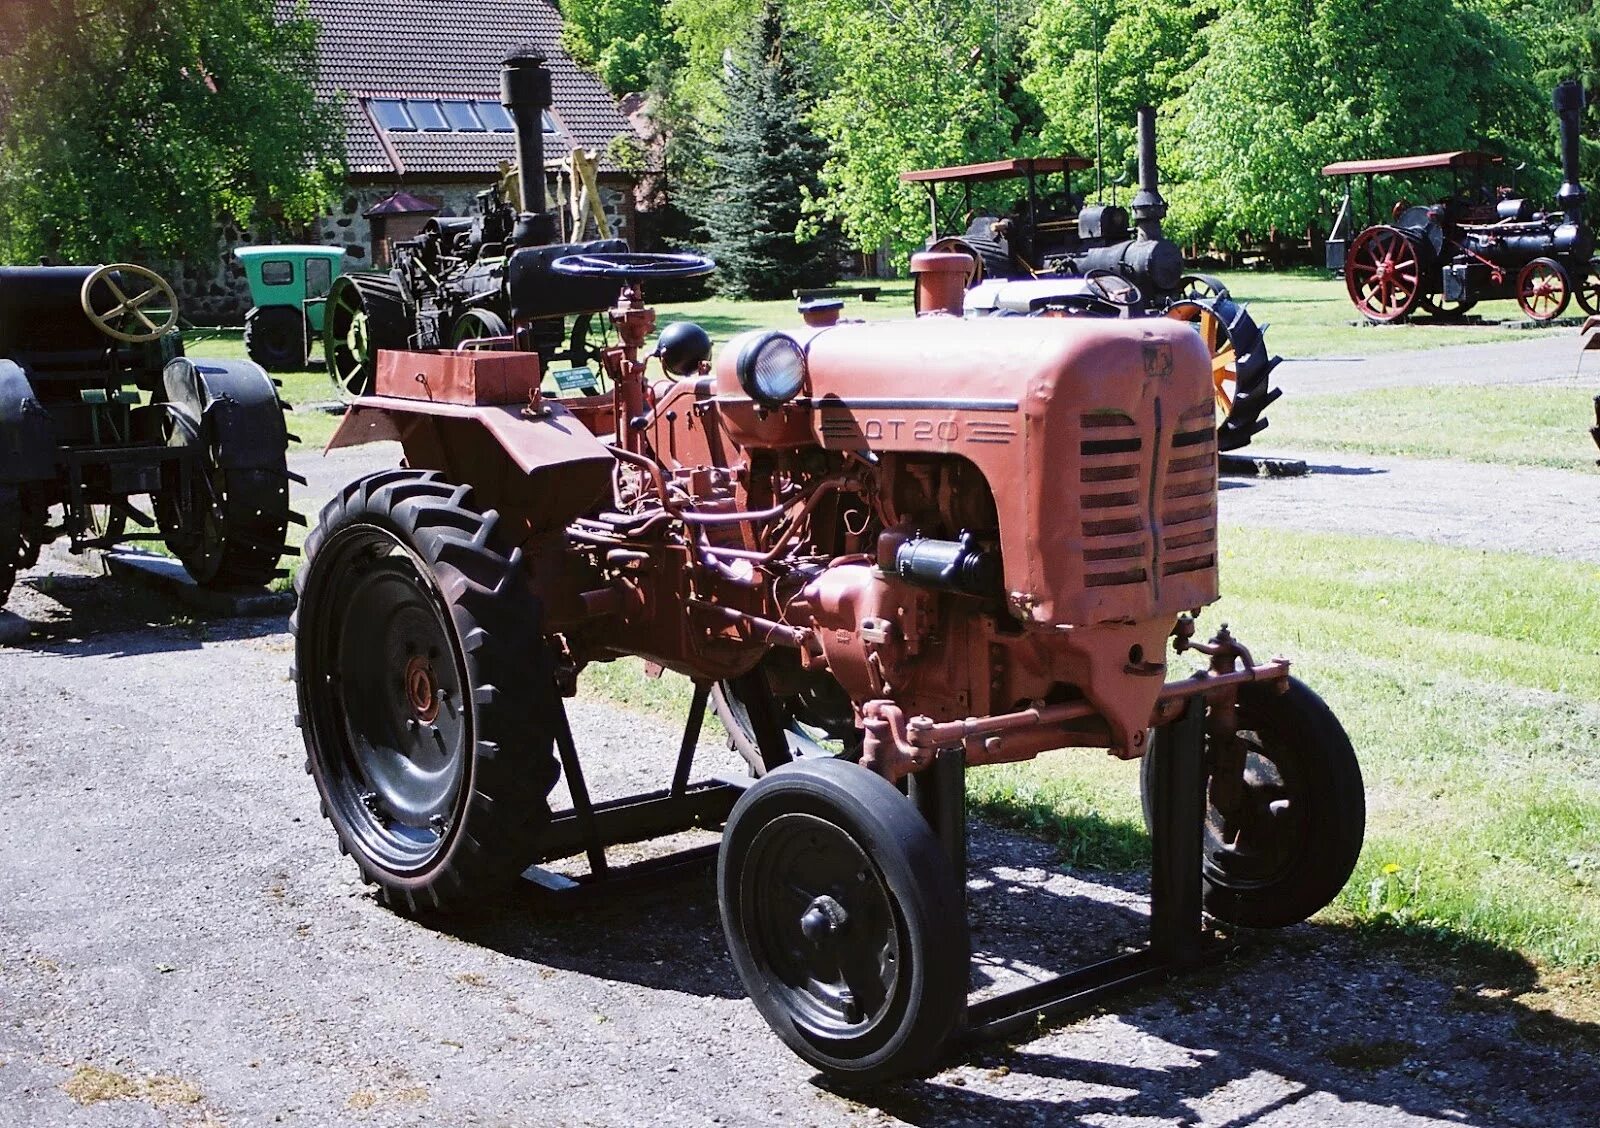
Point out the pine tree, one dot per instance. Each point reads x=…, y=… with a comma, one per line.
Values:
x=765, y=165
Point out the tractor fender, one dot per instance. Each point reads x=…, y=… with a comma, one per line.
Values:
x=235, y=399
x=546, y=467
x=27, y=438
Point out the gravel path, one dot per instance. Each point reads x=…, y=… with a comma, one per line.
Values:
x=1538, y=360
x=179, y=926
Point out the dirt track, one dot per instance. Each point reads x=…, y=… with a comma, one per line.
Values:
x=174, y=905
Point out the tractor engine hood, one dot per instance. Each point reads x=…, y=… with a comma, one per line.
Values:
x=1097, y=437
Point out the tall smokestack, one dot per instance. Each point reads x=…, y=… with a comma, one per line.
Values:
x=525, y=93
x=1148, y=207
x=1569, y=108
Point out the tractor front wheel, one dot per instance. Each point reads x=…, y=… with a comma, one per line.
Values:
x=1287, y=847
x=1382, y=273
x=1587, y=289
x=845, y=920
x=1543, y=289
x=427, y=701
x=275, y=338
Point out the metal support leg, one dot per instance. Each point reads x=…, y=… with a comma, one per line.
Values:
x=691, y=738
x=1177, y=823
x=582, y=809
x=940, y=793
x=1178, y=939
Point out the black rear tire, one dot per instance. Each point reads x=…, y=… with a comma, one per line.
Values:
x=275, y=338
x=427, y=701
x=1268, y=870
x=845, y=920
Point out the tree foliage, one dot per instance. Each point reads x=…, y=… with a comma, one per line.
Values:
x=623, y=41
x=132, y=127
x=766, y=164
x=910, y=84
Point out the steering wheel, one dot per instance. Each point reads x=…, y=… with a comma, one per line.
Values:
x=1113, y=288
x=112, y=322
x=623, y=266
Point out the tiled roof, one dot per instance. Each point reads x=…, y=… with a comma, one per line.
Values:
x=410, y=47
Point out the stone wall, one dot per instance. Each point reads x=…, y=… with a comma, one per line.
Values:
x=213, y=292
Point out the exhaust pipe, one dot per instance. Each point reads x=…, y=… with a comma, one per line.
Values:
x=1148, y=208
x=525, y=93
x=1569, y=103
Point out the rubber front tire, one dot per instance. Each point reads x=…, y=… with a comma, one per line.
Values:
x=426, y=696
x=1267, y=870
x=845, y=919
x=275, y=338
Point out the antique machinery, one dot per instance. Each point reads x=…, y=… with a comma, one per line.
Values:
x=1055, y=255
x=883, y=552
x=484, y=278
x=1475, y=244
x=99, y=406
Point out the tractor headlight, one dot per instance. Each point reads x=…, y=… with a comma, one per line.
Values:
x=772, y=369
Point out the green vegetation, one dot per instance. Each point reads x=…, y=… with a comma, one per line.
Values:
x=132, y=129
x=1518, y=426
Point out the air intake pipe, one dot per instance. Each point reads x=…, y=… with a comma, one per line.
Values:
x=1569, y=103
x=525, y=93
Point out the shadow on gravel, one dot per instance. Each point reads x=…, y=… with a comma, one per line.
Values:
x=77, y=615
x=1290, y=1028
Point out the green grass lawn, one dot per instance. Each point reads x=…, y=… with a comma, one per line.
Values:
x=1516, y=426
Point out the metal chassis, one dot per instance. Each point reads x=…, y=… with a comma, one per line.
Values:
x=72, y=461
x=1178, y=940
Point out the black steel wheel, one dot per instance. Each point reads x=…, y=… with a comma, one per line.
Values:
x=365, y=313
x=1192, y=286
x=779, y=712
x=845, y=920
x=224, y=511
x=1586, y=290
x=427, y=702
x=475, y=325
x=275, y=338
x=13, y=546
x=1241, y=369
x=1292, y=842
x=1442, y=309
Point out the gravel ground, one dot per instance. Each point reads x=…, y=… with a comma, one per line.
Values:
x=179, y=922
x=182, y=944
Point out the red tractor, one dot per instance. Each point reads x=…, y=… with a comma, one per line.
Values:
x=883, y=553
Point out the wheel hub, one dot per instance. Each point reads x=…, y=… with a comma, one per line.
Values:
x=422, y=689
x=823, y=918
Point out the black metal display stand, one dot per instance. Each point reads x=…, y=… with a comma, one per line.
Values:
x=1178, y=940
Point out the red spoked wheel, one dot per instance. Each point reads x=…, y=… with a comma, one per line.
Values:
x=1543, y=289
x=1383, y=273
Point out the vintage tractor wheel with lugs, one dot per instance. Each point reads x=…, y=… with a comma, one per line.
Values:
x=426, y=700
x=226, y=518
x=1280, y=844
x=1383, y=273
x=365, y=313
x=1240, y=367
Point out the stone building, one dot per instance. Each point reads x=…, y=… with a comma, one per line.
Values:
x=418, y=82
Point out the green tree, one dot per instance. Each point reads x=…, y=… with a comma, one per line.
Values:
x=766, y=164
x=132, y=127
x=910, y=84
x=1140, y=53
x=623, y=41
x=1286, y=86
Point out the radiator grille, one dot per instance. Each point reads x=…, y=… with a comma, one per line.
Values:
x=1118, y=512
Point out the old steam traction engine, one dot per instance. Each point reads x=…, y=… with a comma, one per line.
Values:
x=1471, y=246
x=884, y=553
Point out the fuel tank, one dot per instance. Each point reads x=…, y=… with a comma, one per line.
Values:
x=1097, y=437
